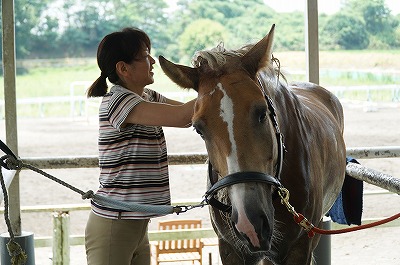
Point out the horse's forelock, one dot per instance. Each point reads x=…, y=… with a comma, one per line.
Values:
x=218, y=58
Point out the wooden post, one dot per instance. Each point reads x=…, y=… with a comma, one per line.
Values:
x=61, y=224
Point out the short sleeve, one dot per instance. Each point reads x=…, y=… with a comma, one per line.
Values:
x=155, y=96
x=121, y=103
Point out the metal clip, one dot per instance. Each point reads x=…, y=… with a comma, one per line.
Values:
x=184, y=208
x=285, y=194
x=180, y=209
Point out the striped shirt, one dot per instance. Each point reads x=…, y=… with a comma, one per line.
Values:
x=132, y=159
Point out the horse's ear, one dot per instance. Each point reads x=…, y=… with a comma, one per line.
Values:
x=259, y=55
x=183, y=76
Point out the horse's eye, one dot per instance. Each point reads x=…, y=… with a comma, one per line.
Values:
x=260, y=113
x=262, y=117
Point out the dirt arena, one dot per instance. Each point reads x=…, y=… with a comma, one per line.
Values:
x=78, y=137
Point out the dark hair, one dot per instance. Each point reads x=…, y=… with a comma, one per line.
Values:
x=122, y=45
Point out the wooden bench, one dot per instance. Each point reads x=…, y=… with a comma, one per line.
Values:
x=179, y=250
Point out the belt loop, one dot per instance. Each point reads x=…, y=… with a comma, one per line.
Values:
x=119, y=215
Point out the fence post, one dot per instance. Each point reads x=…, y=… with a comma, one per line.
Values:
x=61, y=238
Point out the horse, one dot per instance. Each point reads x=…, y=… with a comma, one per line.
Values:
x=262, y=134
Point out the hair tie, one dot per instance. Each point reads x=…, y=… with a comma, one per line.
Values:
x=103, y=75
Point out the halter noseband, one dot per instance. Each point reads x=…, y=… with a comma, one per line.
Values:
x=241, y=177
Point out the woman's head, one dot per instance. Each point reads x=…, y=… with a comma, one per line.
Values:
x=125, y=46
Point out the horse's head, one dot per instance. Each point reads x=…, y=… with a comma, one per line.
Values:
x=232, y=115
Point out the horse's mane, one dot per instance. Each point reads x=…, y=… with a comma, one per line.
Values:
x=221, y=60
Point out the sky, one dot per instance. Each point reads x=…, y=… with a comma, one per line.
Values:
x=324, y=6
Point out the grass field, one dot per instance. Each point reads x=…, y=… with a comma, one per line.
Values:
x=52, y=78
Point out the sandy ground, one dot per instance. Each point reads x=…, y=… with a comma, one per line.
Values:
x=78, y=136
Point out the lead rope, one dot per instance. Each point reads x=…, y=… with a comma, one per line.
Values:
x=18, y=256
x=312, y=230
x=16, y=164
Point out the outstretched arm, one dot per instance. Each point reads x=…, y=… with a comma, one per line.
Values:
x=171, y=114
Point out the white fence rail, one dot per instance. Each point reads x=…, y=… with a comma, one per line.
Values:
x=394, y=89
x=80, y=104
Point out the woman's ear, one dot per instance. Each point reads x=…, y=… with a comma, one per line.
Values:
x=120, y=68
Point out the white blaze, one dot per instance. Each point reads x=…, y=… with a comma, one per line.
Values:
x=226, y=113
x=237, y=191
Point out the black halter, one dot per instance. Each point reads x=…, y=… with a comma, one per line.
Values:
x=240, y=177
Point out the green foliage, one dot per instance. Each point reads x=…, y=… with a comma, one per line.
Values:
x=27, y=17
x=379, y=23
x=291, y=31
x=199, y=35
x=374, y=12
x=73, y=28
x=344, y=31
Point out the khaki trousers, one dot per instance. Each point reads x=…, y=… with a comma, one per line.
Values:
x=116, y=241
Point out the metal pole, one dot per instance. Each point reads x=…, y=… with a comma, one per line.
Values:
x=9, y=70
x=322, y=253
x=24, y=239
x=311, y=41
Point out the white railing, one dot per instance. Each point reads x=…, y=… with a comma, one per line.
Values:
x=339, y=91
x=80, y=104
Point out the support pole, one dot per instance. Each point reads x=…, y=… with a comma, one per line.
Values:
x=9, y=70
x=311, y=39
x=322, y=253
x=323, y=250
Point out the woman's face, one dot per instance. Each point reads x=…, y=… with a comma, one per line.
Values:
x=141, y=70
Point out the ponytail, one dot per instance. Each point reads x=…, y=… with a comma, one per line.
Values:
x=99, y=87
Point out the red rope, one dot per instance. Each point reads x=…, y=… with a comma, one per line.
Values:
x=311, y=229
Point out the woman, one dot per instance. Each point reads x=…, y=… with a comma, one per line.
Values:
x=132, y=149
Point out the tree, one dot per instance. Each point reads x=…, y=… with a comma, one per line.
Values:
x=244, y=21
x=374, y=12
x=149, y=15
x=254, y=22
x=27, y=17
x=379, y=22
x=345, y=32
x=86, y=24
x=199, y=35
x=291, y=31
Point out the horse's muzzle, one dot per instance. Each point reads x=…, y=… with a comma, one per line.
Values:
x=253, y=218
x=259, y=244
